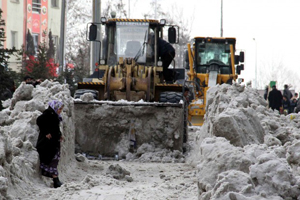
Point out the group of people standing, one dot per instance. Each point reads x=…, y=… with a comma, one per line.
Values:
x=285, y=102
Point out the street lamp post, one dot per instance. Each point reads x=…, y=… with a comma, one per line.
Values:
x=221, y=19
x=256, y=82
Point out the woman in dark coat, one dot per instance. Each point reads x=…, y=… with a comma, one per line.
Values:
x=48, y=144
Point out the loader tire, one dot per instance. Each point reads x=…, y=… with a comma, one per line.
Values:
x=80, y=92
x=170, y=97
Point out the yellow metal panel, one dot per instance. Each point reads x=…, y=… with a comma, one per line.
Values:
x=90, y=83
x=197, y=120
x=232, y=61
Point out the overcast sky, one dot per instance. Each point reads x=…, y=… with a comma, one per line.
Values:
x=275, y=25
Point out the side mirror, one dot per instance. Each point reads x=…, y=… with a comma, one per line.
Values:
x=236, y=59
x=172, y=35
x=242, y=56
x=239, y=68
x=242, y=66
x=93, y=32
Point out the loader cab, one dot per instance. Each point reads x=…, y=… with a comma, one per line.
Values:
x=129, y=38
x=213, y=55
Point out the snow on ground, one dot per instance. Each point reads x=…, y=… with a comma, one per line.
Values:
x=243, y=151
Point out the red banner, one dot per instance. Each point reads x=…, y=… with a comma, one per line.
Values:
x=44, y=18
x=36, y=23
x=29, y=15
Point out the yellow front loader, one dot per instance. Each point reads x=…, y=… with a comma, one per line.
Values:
x=130, y=91
x=210, y=61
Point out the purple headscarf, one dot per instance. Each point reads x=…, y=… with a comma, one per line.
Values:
x=56, y=105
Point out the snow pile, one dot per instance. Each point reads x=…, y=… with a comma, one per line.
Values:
x=245, y=150
x=148, y=153
x=19, y=169
x=117, y=172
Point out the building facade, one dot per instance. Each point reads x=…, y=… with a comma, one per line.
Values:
x=36, y=16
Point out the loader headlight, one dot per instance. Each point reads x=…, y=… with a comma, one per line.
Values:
x=159, y=63
x=102, y=62
x=103, y=20
x=163, y=22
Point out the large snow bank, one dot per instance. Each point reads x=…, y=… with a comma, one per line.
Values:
x=19, y=163
x=245, y=150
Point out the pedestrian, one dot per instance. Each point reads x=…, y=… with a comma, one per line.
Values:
x=287, y=92
x=28, y=80
x=266, y=93
x=286, y=105
x=32, y=81
x=50, y=137
x=275, y=98
x=297, y=109
x=295, y=96
x=293, y=105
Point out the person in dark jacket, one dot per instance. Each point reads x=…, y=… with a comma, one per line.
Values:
x=266, y=93
x=287, y=92
x=167, y=53
x=48, y=143
x=275, y=99
x=286, y=105
x=293, y=105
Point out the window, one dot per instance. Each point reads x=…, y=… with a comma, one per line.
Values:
x=36, y=6
x=15, y=1
x=14, y=39
x=36, y=42
x=55, y=3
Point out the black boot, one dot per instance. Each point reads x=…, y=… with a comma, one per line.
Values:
x=56, y=182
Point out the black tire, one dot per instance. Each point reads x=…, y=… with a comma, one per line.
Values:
x=80, y=92
x=170, y=97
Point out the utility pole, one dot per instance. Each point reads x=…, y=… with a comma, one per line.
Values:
x=95, y=46
x=62, y=37
x=221, y=18
x=256, y=84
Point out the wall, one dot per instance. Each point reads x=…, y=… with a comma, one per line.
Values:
x=14, y=22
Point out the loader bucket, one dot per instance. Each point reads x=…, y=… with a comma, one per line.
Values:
x=105, y=127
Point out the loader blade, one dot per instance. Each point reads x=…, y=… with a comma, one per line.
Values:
x=105, y=127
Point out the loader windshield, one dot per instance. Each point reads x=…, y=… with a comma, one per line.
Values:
x=131, y=40
x=213, y=52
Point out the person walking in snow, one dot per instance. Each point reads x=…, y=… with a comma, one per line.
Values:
x=48, y=143
x=275, y=98
x=293, y=105
x=295, y=97
x=286, y=104
x=287, y=92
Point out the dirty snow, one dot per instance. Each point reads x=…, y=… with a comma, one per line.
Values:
x=243, y=151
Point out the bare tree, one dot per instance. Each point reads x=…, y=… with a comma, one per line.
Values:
x=185, y=26
x=277, y=71
x=117, y=6
x=77, y=47
x=175, y=17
